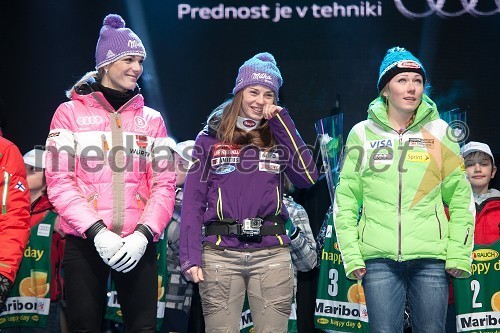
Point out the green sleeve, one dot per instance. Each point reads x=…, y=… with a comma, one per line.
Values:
x=348, y=200
x=457, y=194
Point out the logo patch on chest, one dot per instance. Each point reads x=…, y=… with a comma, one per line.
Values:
x=421, y=143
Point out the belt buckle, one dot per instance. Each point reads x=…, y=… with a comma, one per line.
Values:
x=250, y=229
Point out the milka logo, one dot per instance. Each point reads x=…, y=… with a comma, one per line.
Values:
x=262, y=76
x=132, y=43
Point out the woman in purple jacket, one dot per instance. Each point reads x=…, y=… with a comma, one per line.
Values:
x=233, y=239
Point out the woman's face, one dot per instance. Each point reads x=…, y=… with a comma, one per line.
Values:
x=404, y=92
x=254, y=99
x=123, y=74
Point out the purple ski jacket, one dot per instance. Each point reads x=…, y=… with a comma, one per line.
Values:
x=230, y=181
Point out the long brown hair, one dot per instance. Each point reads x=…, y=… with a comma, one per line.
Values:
x=223, y=121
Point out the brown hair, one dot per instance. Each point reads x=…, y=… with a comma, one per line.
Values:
x=223, y=120
x=479, y=154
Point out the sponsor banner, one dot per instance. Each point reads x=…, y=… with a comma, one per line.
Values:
x=340, y=302
x=28, y=303
x=477, y=298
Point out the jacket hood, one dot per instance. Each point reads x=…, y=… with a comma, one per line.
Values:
x=41, y=204
x=426, y=112
x=492, y=193
x=213, y=123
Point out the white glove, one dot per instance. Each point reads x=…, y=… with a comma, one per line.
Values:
x=131, y=252
x=107, y=244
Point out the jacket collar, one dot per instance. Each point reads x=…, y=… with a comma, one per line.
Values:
x=426, y=112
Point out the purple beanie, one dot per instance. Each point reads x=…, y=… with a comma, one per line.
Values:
x=261, y=69
x=116, y=41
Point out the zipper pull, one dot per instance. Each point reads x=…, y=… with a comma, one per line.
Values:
x=138, y=198
x=93, y=199
x=105, y=145
x=105, y=148
x=6, y=181
x=117, y=120
x=466, y=236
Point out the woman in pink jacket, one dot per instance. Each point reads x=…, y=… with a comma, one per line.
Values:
x=110, y=177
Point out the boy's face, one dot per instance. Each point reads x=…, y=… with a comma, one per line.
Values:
x=479, y=170
x=181, y=168
x=35, y=178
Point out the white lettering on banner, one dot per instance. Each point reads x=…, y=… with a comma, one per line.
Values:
x=23, y=304
x=438, y=7
x=478, y=321
x=280, y=12
x=342, y=310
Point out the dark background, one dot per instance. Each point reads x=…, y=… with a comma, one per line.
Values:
x=329, y=65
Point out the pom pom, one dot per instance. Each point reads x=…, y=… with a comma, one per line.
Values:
x=114, y=20
x=265, y=56
x=396, y=49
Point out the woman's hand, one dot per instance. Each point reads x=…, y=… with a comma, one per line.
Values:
x=359, y=273
x=455, y=272
x=270, y=110
x=194, y=274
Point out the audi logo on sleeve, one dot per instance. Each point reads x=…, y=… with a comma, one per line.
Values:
x=88, y=120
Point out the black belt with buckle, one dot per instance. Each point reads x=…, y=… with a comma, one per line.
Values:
x=249, y=227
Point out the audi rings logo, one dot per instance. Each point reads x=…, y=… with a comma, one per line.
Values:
x=439, y=7
x=89, y=120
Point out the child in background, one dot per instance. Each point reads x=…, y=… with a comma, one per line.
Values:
x=480, y=167
x=41, y=211
x=179, y=292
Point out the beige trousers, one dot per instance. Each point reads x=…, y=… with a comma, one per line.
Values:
x=265, y=274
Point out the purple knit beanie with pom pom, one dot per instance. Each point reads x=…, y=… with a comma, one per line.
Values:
x=261, y=69
x=116, y=41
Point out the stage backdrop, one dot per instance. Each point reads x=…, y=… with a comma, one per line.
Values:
x=328, y=52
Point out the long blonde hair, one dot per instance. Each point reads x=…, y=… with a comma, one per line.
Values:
x=97, y=75
x=223, y=121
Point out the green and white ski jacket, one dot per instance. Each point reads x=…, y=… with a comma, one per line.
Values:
x=400, y=181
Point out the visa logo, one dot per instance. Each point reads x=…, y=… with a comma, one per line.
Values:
x=381, y=143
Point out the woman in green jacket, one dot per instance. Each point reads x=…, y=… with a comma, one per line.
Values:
x=401, y=165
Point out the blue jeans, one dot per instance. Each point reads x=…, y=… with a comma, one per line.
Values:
x=389, y=283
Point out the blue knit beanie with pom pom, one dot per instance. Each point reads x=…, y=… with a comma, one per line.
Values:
x=398, y=60
x=116, y=41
